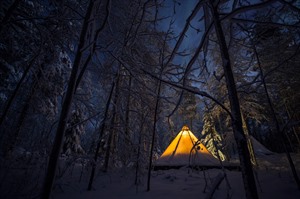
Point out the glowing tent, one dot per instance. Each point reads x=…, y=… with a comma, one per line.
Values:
x=185, y=149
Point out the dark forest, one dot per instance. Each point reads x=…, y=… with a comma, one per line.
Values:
x=95, y=90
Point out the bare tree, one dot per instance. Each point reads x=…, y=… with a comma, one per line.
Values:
x=101, y=132
x=244, y=155
x=59, y=137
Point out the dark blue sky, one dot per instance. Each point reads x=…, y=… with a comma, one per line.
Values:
x=182, y=10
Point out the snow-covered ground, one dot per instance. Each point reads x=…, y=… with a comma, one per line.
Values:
x=274, y=180
x=24, y=181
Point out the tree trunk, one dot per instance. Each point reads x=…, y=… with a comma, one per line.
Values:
x=64, y=115
x=219, y=158
x=128, y=106
x=127, y=133
x=88, y=59
x=249, y=142
x=226, y=151
x=112, y=126
x=141, y=142
x=14, y=94
x=245, y=162
x=136, y=181
x=290, y=117
x=279, y=132
x=14, y=136
x=153, y=136
x=100, y=137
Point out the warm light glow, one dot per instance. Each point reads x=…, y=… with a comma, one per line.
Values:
x=181, y=151
x=183, y=143
x=185, y=128
x=185, y=133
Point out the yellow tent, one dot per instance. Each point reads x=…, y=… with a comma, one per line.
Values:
x=185, y=149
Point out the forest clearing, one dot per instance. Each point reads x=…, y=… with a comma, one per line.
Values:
x=145, y=99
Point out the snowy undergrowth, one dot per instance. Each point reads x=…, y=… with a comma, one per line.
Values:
x=273, y=183
x=23, y=178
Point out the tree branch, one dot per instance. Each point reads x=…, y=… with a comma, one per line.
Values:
x=246, y=8
x=182, y=34
x=190, y=89
x=262, y=22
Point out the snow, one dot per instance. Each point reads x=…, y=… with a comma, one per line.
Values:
x=274, y=180
x=177, y=184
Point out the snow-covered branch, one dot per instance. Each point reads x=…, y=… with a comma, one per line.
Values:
x=190, y=89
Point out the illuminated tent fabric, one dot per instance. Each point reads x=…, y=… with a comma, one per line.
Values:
x=183, y=151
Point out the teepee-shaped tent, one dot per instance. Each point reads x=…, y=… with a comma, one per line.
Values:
x=185, y=149
x=259, y=149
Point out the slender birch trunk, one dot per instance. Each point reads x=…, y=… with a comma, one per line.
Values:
x=153, y=136
x=100, y=137
x=14, y=94
x=244, y=155
x=64, y=115
x=111, y=135
x=280, y=132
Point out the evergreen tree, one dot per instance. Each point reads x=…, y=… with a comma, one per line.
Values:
x=212, y=139
x=74, y=131
x=188, y=109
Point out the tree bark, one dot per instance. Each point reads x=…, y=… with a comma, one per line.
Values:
x=14, y=94
x=88, y=59
x=249, y=142
x=153, y=136
x=290, y=117
x=280, y=132
x=112, y=124
x=127, y=114
x=100, y=137
x=14, y=135
x=244, y=155
x=136, y=181
x=64, y=115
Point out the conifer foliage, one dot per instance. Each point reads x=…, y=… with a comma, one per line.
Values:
x=212, y=139
x=105, y=84
x=75, y=130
